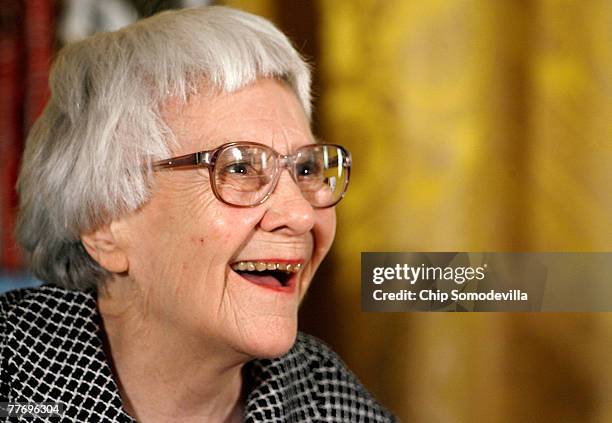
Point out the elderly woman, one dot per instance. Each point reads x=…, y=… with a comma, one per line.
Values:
x=176, y=202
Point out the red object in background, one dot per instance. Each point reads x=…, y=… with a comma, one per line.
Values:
x=38, y=17
x=26, y=48
x=11, y=84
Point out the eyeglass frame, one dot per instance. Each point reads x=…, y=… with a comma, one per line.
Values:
x=207, y=159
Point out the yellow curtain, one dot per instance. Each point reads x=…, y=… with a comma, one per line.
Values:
x=475, y=125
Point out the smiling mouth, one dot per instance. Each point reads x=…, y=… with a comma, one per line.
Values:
x=269, y=274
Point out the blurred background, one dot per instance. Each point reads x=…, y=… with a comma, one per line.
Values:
x=475, y=125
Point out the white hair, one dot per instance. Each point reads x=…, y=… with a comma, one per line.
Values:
x=88, y=157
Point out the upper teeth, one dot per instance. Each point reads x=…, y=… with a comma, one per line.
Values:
x=261, y=266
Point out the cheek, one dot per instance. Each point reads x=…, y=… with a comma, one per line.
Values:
x=189, y=277
x=171, y=240
x=223, y=229
x=324, y=231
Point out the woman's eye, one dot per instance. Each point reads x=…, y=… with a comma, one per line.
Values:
x=238, y=168
x=307, y=169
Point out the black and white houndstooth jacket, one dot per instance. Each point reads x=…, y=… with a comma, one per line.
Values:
x=51, y=350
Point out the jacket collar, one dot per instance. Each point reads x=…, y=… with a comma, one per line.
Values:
x=67, y=332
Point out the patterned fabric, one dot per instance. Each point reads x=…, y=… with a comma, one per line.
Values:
x=51, y=350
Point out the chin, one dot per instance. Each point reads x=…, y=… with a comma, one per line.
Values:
x=271, y=341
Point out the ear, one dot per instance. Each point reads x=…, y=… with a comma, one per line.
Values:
x=102, y=246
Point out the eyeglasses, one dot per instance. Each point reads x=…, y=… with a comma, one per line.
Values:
x=244, y=174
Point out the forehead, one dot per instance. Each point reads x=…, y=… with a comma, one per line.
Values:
x=266, y=111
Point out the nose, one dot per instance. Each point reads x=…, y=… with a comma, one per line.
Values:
x=287, y=209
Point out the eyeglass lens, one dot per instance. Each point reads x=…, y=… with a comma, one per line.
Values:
x=245, y=175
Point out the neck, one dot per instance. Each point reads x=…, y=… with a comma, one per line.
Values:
x=163, y=373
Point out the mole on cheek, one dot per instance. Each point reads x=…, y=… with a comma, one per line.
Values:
x=197, y=240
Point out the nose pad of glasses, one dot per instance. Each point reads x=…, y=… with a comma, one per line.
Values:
x=286, y=162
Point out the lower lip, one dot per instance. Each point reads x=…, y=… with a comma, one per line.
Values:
x=288, y=288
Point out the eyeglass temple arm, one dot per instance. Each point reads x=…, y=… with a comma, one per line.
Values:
x=201, y=158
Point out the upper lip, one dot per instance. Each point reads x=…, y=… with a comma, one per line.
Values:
x=271, y=260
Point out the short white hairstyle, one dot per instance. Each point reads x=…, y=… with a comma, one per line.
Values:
x=88, y=157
